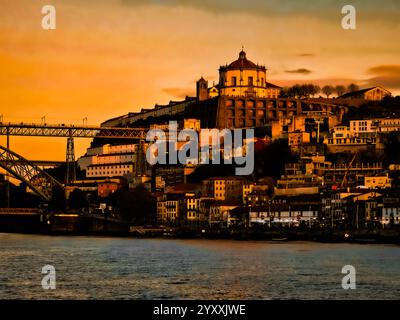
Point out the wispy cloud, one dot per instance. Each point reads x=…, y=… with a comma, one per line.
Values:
x=299, y=71
x=385, y=75
x=179, y=93
x=327, y=9
x=311, y=55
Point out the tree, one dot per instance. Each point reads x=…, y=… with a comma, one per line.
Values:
x=352, y=87
x=58, y=201
x=271, y=160
x=340, y=90
x=77, y=199
x=295, y=91
x=284, y=92
x=317, y=89
x=328, y=90
x=137, y=206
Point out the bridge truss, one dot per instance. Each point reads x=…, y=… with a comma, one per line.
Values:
x=70, y=131
x=37, y=179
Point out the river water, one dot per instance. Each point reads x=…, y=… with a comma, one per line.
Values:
x=125, y=268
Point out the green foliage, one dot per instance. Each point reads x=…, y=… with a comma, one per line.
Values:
x=137, y=206
x=328, y=90
x=389, y=106
x=352, y=87
x=271, y=160
x=300, y=91
x=77, y=199
x=58, y=201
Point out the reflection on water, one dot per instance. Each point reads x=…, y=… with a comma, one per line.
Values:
x=122, y=268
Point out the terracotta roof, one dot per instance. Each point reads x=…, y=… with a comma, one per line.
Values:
x=243, y=63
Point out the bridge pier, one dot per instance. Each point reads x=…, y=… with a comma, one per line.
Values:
x=7, y=177
x=70, y=175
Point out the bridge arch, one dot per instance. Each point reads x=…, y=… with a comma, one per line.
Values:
x=37, y=179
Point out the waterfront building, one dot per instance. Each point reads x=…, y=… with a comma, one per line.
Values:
x=284, y=214
x=221, y=214
x=179, y=205
x=391, y=214
x=224, y=188
x=258, y=197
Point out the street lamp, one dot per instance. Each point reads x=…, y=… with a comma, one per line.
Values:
x=84, y=122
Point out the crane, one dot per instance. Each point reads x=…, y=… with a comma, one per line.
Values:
x=347, y=171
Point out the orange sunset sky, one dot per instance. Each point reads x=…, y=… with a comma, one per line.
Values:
x=107, y=58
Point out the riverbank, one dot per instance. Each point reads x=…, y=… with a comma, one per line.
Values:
x=321, y=236
x=74, y=224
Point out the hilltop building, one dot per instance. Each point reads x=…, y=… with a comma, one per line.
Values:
x=374, y=93
x=242, y=98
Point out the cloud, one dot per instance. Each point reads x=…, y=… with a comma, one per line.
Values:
x=318, y=9
x=299, y=71
x=307, y=55
x=385, y=75
x=179, y=93
x=321, y=81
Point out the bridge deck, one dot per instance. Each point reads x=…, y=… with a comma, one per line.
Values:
x=63, y=130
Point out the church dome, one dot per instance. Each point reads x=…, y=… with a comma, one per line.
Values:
x=243, y=62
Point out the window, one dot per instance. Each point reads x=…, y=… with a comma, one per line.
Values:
x=233, y=81
x=250, y=81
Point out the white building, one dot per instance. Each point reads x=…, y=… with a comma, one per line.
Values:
x=391, y=213
x=109, y=161
x=361, y=126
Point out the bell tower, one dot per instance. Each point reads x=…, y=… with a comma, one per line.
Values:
x=202, y=89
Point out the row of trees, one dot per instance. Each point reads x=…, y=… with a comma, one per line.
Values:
x=77, y=200
x=311, y=90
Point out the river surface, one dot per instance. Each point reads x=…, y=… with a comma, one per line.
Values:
x=126, y=268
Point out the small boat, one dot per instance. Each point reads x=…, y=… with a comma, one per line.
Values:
x=280, y=239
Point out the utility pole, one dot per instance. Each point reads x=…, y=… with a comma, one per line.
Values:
x=357, y=217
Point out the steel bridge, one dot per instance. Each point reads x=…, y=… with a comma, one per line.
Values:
x=30, y=173
x=45, y=163
x=37, y=179
x=70, y=131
